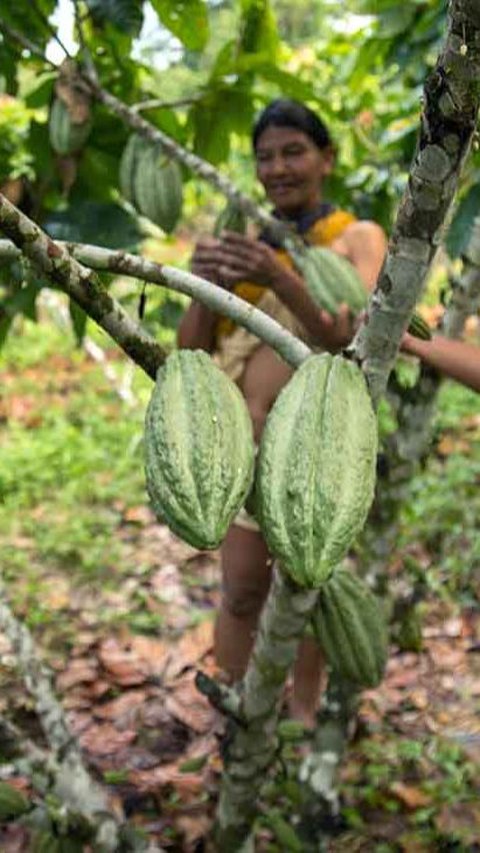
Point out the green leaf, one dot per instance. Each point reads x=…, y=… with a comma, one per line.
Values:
x=125, y=15
x=221, y=112
x=291, y=730
x=186, y=19
x=41, y=90
x=285, y=835
x=79, y=320
x=460, y=228
x=193, y=765
x=258, y=28
x=5, y=323
x=88, y=222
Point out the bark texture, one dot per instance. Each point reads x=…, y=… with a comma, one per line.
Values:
x=74, y=785
x=251, y=745
x=143, y=349
x=451, y=100
x=56, y=263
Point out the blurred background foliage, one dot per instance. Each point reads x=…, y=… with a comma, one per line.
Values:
x=200, y=70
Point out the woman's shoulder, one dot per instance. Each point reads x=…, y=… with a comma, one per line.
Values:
x=364, y=233
x=328, y=228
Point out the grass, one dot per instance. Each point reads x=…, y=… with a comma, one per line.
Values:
x=71, y=466
x=72, y=469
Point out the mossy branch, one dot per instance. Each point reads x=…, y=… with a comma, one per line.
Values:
x=71, y=264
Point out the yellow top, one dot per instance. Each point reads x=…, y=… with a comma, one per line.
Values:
x=323, y=232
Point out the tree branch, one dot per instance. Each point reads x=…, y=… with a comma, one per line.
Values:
x=250, y=752
x=451, y=100
x=290, y=348
x=82, y=285
x=75, y=786
x=25, y=43
x=199, y=167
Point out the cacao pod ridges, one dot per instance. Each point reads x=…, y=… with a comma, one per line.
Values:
x=199, y=448
x=66, y=136
x=350, y=626
x=152, y=182
x=317, y=466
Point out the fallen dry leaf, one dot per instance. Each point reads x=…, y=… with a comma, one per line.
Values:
x=14, y=839
x=193, y=829
x=122, y=665
x=122, y=708
x=193, y=710
x=187, y=785
x=445, y=656
x=78, y=721
x=78, y=671
x=189, y=650
x=138, y=515
x=460, y=821
x=410, y=796
x=154, y=654
x=106, y=739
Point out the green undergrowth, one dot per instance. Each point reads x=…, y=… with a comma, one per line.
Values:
x=443, y=501
x=394, y=797
x=72, y=462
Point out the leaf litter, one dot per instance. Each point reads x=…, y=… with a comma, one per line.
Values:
x=131, y=700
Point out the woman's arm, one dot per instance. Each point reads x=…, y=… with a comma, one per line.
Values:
x=197, y=326
x=245, y=258
x=456, y=359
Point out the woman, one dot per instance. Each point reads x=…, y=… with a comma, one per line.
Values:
x=293, y=155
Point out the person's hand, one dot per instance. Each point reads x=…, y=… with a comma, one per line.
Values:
x=336, y=332
x=206, y=259
x=244, y=258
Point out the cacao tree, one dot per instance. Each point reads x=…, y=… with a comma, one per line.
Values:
x=99, y=91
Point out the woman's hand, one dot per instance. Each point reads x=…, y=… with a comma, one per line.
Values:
x=244, y=258
x=336, y=332
x=207, y=259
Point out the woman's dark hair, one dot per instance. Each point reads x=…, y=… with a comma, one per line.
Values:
x=284, y=112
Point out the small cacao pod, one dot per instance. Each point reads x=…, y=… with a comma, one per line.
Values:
x=231, y=218
x=66, y=136
x=349, y=624
x=316, y=469
x=199, y=451
x=158, y=189
x=330, y=279
x=134, y=148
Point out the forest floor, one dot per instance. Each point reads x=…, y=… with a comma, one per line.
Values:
x=123, y=613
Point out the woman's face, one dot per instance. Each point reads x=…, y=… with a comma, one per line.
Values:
x=291, y=168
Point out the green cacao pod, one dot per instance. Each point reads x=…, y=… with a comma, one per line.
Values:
x=332, y=279
x=419, y=328
x=199, y=451
x=12, y=802
x=316, y=470
x=350, y=626
x=66, y=136
x=158, y=189
x=231, y=218
x=134, y=148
